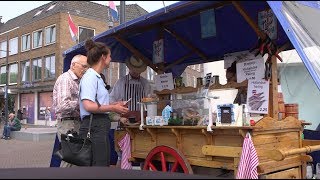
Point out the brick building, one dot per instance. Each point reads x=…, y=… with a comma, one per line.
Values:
x=36, y=41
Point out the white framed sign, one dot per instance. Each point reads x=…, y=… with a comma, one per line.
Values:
x=158, y=50
x=251, y=70
x=163, y=81
x=258, y=96
x=237, y=56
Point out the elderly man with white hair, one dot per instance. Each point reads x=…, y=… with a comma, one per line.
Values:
x=12, y=125
x=66, y=97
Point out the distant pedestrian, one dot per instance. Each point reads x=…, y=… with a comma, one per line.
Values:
x=20, y=114
x=12, y=125
x=47, y=115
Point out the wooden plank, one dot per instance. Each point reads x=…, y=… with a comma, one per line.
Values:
x=274, y=138
x=269, y=123
x=223, y=164
x=224, y=151
x=272, y=166
x=192, y=144
x=292, y=173
x=309, y=142
x=230, y=85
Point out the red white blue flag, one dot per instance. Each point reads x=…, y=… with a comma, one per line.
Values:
x=113, y=11
x=73, y=29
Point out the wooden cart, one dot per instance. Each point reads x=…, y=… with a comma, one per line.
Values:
x=192, y=149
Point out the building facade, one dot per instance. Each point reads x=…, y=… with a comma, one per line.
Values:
x=32, y=45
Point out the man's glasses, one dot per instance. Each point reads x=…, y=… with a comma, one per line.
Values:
x=84, y=66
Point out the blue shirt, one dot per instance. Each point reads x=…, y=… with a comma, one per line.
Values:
x=91, y=84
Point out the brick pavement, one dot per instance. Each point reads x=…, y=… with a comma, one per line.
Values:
x=24, y=154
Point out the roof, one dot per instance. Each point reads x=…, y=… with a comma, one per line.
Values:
x=181, y=28
x=78, y=8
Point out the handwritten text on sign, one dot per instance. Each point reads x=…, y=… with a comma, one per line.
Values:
x=158, y=56
x=252, y=69
x=258, y=96
x=267, y=22
x=164, y=81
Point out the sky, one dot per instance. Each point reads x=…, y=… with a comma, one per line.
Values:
x=12, y=9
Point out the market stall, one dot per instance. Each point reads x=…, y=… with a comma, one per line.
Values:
x=193, y=32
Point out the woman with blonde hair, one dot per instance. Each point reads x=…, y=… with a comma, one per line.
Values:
x=94, y=99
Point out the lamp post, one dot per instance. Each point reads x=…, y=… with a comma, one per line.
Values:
x=122, y=66
x=6, y=87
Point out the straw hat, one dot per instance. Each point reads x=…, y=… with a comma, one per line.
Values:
x=136, y=65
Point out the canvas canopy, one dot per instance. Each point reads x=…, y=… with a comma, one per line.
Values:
x=196, y=32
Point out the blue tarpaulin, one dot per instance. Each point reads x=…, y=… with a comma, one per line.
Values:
x=180, y=26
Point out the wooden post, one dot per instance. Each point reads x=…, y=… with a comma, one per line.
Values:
x=273, y=94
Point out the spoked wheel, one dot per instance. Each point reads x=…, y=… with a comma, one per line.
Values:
x=180, y=163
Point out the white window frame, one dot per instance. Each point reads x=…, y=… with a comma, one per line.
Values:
x=24, y=50
x=32, y=69
x=3, y=52
x=9, y=77
x=5, y=69
x=45, y=35
x=21, y=71
x=41, y=42
x=84, y=27
x=13, y=51
x=45, y=66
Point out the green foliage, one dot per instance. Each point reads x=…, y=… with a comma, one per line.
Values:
x=175, y=122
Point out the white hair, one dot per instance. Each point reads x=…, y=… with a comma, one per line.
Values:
x=75, y=58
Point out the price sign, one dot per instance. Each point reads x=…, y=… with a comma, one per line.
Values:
x=258, y=96
x=164, y=81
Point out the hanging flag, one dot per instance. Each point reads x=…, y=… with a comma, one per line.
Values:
x=73, y=29
x=113, y=10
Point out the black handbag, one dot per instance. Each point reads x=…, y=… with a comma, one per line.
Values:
x=76, y=150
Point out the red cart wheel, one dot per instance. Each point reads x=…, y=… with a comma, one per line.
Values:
x=163, y=152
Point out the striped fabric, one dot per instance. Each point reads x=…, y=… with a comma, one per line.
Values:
x=125, y=147
x=249, y=161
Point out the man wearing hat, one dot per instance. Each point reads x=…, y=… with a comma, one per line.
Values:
x=132, y=86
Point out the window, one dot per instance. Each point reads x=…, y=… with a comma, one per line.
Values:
x=37, y=39
x=3, y=75
x=13, y=46
x=51, y=7
x=3, y=49
x=39, y=12
x=150, y=73
x=36, y=69
x=199, y=67
x=13, y=73
x=25, y=71
x=50, y=34
x=194, y=81
x=85, y=33
x=25, y=44
x=50, y=67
